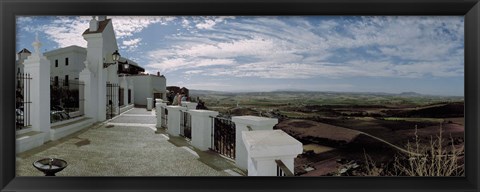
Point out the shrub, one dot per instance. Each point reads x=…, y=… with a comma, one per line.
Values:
x=432, y=159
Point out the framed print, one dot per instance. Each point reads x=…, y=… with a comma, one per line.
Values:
x=151, y=95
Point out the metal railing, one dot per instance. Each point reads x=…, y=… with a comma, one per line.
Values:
x=223, y=136
x=22, y=101
x=112, y=98
x=66, y=96
x=282, y=169
x=185, y=124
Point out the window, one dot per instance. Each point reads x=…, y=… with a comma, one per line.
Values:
x=66, y=61
x=56, y=62
x=55, y=83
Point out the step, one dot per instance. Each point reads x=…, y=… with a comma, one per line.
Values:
x=28, y=140
x=62, y=130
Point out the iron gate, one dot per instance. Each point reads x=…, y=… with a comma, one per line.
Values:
x=185, y=124
x=22, y=101
x=112, y=97
x=223, y=140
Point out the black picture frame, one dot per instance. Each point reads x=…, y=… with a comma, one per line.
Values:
x=11, y=8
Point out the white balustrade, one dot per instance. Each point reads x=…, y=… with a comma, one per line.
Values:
x=202, y=128
x=265, y=146
x=174, y=119
x=149, y=104
x=248, y=123
x=159, y=113
x=189, y=105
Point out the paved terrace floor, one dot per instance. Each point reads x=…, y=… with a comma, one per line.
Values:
x=128, y=145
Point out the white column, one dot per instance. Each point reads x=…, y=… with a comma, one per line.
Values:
x=202, y=128
x=81, y=96
x=90, y=102
x=149, y=104
x=264, y=147
x=174, y=119
x=244, y=123
x=102, y=93
x=159, y=113
x=189, y=105
x=39, y=68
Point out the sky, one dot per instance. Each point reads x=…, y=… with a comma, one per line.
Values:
x=391, y=54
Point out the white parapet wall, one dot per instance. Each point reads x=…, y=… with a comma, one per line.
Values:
x=202, y=128
x=174, y=119
x=126, y=108
x=265, y=146
x=159, y=112
x=189, y=105
x=149, y=104
x=68, y=127
x=248, y=123
x=28, y=140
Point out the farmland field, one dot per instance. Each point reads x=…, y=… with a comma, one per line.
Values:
x=339, y=129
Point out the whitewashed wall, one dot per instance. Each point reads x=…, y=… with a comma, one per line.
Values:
x=144, y=86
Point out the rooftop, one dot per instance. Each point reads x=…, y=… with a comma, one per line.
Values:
x=101, y=27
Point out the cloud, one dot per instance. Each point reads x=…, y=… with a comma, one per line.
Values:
x=307, y=47
x=66, y=31
x=284, y=47
x=127, y=26
x=131, y=44
x=210, y=22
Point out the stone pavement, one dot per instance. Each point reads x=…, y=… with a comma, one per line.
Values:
x=128, y=145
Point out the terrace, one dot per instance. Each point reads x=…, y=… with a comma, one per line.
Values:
x=140, y=142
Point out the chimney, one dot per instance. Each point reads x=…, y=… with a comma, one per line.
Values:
x=102, y=18
x=93, y=24
x=158, y=73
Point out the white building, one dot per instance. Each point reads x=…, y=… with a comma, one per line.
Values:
x=148, y=86
x=20, y=58
x=66, y=63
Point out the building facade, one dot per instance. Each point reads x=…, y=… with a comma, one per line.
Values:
x=20, y=58
x=148, y=86
x=66, y=63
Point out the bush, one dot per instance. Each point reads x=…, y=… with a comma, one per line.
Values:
x=432, y=159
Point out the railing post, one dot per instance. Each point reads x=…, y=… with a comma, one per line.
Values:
x=189, y=105
x=38, y=67
x=174, y=120
x=149, y=104
x=202, y=128
x=81, y=97
x=159, y=113
x=246, y=123
x=264, y=147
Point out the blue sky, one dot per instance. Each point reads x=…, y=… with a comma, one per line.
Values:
x=424, y=54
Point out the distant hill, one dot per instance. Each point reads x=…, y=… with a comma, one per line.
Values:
x=410, y=94
x=208, y=92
